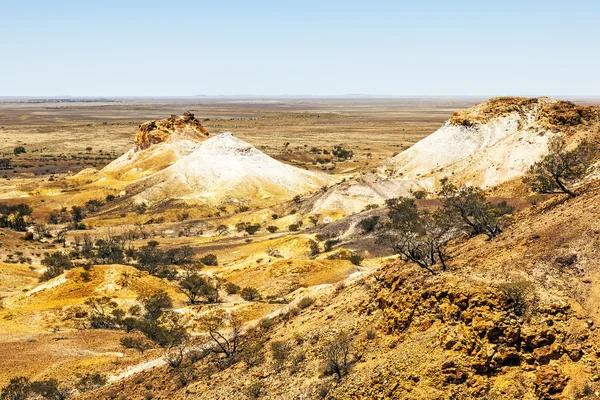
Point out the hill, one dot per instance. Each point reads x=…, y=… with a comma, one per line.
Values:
x=493, y=142
x=488, y=145
x=225, y=169
x=158, y=144
x=456, y=334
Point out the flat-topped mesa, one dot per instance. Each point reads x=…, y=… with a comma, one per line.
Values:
x=157, y=131
x=546, y=112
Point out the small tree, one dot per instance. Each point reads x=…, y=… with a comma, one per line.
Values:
x=418, y=237
x=195, y=286
x=56, y=264
x=229, y=344
x=468, y=206
x=101, y=312
x=155, y=304
x=77, y=215
x=139, y=344
x=337, y=354
x=561, y=168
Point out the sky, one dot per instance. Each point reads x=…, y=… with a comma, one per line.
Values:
x=305, y=47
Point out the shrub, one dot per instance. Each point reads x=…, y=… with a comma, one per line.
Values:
x=272, y=229
x=19, y=150
x=266, y=323
x=56, y=264
x=341, y=152
x=135, y=343
x=93, y=205
x=280, y=352
x=252, y=229
x=17, y=389
x=520, y=296
x=356, y=259
x=313, y=248
x=293, y=227
x=254, y=391
x=370, y=334
x=252, y=355
x=91, y=381
x=85, y=276
x=330, y=243
x=273, y=252
x=419, y=194
x=210, y=260
x=232, y=288
x=369, y=224
x=140, y=208
x=250, y=294
x=305, y=302
x=49, y=389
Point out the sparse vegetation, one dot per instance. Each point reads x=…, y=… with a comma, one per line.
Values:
x=229, y=345
x=15, y=217
x=56, y=264
x=369, y=224
x=250, y=294
x=520, y=295
x=558, y=171
x=418, y=237
x=19, y=150
x=337, y=354
x=467, y=206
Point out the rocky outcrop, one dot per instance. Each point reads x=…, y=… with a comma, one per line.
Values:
x=482, y=333
x=153, y=132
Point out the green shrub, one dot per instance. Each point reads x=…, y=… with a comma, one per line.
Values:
x=250, y=294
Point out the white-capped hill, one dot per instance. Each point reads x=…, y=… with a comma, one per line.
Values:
x=486, y=145
x=492, y=142
x=227, y=169
x=158, y=144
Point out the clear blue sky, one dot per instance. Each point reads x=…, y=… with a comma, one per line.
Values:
x=419, y=47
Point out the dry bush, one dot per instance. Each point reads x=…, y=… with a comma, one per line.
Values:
x=280, y=352
x=337, y=354
x=520, y=295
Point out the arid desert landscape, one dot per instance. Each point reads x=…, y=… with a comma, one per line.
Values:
x=299, y=248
